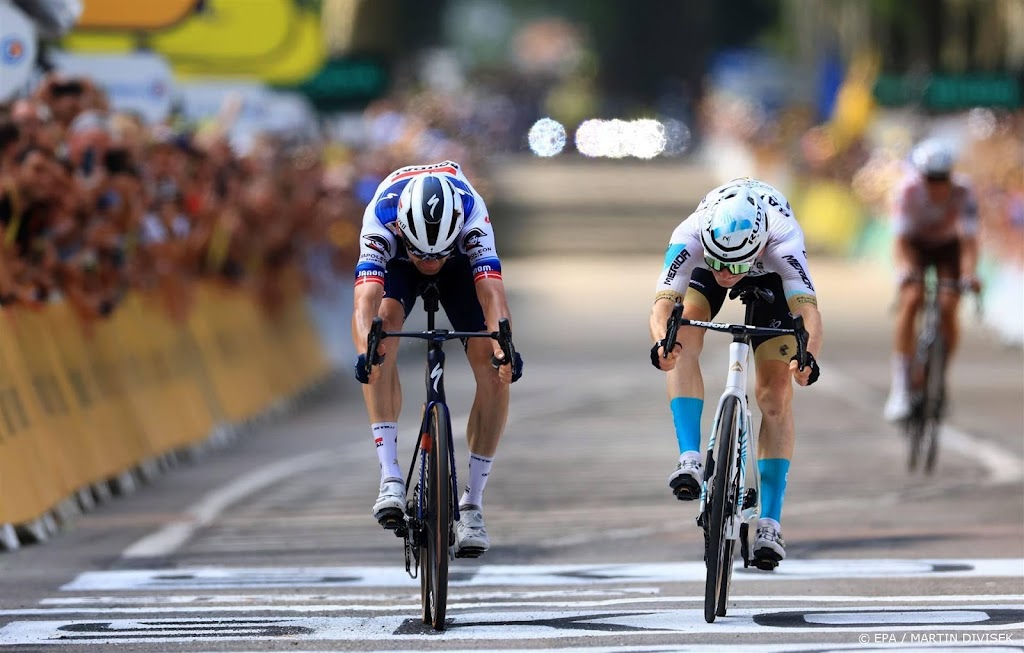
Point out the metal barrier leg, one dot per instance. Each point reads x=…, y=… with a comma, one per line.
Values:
x=8, y=538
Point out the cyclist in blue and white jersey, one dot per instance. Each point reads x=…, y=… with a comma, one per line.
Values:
x=742, y=233
x=427, y=223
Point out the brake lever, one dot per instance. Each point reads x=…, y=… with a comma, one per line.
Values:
x=671, y=329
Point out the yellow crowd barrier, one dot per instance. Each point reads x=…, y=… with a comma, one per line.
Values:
x=78, y=407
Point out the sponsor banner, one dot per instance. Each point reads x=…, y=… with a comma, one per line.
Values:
x=17, y=50
x=140, y=82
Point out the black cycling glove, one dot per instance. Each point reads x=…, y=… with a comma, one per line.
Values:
x=517, y=366
x=813, y=364
x=361, y=374
x=655, y=355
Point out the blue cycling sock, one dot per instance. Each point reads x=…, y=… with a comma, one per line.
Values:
x=773, y=486
x=686, y=417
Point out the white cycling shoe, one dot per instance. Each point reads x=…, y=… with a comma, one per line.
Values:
x=897, y=406
x=686, y=480
x=471, y=539
x=389, y=509
x=769, y=547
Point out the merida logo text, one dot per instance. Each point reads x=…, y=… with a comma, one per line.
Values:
x=799, y=270
x=677, y=263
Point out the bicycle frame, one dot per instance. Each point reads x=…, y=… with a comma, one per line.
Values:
x=736, y=386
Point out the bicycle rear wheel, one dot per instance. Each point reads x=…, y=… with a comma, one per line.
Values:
x=719, y=548
x=438, y=519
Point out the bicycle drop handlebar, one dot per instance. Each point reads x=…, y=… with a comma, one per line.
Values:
x=676, y=320
x=503, y=335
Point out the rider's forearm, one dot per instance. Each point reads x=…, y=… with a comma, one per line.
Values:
x=491, y=293
x=812, y=322
x=969, y=257
x=660, y=313
x=366, y=304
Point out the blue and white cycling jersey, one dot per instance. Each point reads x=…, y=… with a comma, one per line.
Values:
x=784, y=253
x=379, y=237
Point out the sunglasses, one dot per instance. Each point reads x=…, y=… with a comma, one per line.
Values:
x=423, y=256
x=734, y=268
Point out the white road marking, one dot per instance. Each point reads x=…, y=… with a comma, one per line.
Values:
x=209, y=578
x=265, y=603
x=987, y=620
x=1000, y=464
x=703, y=648
x=169, y=538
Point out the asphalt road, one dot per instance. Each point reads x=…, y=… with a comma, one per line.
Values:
x=268, y=544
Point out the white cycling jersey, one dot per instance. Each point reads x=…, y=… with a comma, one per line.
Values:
x=920, y=219
x=784, y=253
x=380, y=235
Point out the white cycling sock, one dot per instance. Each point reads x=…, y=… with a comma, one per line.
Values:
x=385, y=437
x=479, y=470
x=900, y=372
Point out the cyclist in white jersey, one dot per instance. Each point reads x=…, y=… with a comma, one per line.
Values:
x=742, y=233
x=935, y=223
x=427, y=224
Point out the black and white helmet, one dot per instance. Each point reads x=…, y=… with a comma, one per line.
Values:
x=933, y=158
x=734, y=228
x=430, y=215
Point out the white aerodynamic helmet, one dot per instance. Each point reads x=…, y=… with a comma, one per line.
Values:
x=430, y=215
x=734, y=230
x=933, y=158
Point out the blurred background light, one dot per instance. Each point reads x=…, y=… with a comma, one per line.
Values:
x=547, y=137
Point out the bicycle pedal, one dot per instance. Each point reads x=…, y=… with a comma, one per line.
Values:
x=392, y=520
x=766, y=564
x=469, y=552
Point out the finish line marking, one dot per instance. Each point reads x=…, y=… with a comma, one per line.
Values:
x=982, y=624
x=217, y=578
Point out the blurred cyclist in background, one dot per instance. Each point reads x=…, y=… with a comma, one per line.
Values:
x=427, y=223
x=742, y=233
x=935, y=223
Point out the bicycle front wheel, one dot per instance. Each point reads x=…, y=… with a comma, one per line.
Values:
x=718, y=556
x=935, y=397
x=437, y=520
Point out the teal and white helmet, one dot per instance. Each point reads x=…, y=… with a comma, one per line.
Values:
x=734, y=229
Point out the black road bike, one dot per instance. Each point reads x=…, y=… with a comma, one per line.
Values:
x=432, y=508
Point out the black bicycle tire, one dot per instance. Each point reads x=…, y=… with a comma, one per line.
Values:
x=438, y=520
x=716, y=541
x=934, y=399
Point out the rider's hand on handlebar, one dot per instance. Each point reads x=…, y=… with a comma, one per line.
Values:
x=374, y=374
x=660, y=361
x=809, y=374
x=507, y=373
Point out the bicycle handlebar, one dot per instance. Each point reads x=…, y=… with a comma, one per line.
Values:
x=671, y=328
x=503, y=335
x=798, y=331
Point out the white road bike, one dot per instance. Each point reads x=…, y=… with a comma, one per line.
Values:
x=729, y=507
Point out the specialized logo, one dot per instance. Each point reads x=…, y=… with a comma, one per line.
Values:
x=677, y=263
x=789, y=258
x=378, y=243
x=12, y=49
x=432, y=203
x=436, y=375
x=472, y=238
x=387, y=196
